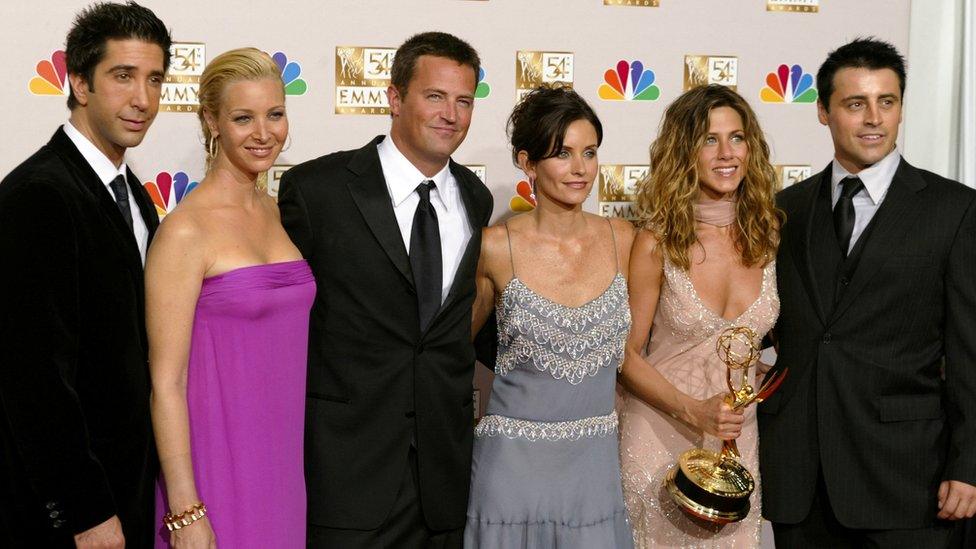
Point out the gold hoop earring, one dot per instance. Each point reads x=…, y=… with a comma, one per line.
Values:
x=213, y=147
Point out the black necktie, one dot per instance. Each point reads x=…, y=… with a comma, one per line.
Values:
x=122, y=198
x=844, y=212
x=425, y=256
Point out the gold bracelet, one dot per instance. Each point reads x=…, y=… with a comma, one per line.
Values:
x=186, y=518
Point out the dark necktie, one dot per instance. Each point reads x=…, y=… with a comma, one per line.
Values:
x=844, y=212
x=122, y=198
x=425, y=256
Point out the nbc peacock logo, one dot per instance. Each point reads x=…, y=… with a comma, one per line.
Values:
x=52, y=76
x=629, y=82
x=291, y=74
x=524, y=199
x=788, y=85
x=168, y=190
x=483, y=89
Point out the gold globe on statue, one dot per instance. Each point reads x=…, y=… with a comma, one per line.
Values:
x=715, y=486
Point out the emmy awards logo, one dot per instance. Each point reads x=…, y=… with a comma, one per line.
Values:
x=362, y=75
x=537, y=68
x=790, y=174
x=701, y=70
x=181, y=87
x=715, y=486
x=618, y=189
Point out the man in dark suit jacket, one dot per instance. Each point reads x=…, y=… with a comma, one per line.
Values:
x=871, y=439
x=77, y=460
x=392, y=232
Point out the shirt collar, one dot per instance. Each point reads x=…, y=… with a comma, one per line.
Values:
x=402, y=177
x=104, y=168
x=876, y=178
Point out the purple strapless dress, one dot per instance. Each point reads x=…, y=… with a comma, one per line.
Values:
x=246, y=400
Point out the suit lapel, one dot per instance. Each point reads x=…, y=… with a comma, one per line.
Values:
x=371, y=196
x=473, y=249
x=887, y=229
x=144, y=203
x=801, y=242
x=84, y=173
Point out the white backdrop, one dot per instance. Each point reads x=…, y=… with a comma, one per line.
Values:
x=598, y=35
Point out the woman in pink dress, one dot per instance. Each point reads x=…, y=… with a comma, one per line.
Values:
x=702, y=263
x=228, y=297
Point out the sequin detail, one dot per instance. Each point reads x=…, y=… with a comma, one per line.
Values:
x=682, y=349
x=553, y=431
x=570, y=343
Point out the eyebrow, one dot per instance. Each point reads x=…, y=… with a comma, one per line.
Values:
x=120, y=68
x=444, y=92
x=865, y=98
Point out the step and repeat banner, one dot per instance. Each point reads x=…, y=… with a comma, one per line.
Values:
x=629, y=58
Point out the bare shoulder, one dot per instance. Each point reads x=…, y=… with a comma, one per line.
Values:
x=494, y=243
x=645, y=244
x=623, y=231
x=180, y=238
x=180, y=225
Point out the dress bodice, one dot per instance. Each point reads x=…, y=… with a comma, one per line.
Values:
x=557, y=362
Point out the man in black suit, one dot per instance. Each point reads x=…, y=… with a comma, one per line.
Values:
x=77, y=461
x=392, y=232
x=871, y=439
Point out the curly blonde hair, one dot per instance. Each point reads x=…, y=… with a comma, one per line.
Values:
x=666, y=197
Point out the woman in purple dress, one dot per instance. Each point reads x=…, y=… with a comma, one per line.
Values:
x=227, y=297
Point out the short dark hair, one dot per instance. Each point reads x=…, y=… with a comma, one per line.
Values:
x=95, y=25
x=538, y=123
x=438, y=44
x=861, y=53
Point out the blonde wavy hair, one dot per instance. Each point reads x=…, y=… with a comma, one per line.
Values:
x=666, y=197
x=228, y=67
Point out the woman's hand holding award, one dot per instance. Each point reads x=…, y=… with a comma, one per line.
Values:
x=715, y=486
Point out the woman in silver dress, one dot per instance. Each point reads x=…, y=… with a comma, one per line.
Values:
x=545, y=470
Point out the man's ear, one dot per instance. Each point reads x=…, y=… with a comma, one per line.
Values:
x=79, y=87
x=821, y=112
x=393, y=97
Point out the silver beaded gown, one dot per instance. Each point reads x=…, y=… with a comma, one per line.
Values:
x=545, y=470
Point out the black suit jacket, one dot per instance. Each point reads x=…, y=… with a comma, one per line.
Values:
x=864, y=398
x=374, y=379
x=76, y=442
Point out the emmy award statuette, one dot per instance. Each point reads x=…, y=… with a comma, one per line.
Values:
x=714, y=486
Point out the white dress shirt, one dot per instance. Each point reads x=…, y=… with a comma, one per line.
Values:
x=402, y=179
x=876, y=179
x=106, y=171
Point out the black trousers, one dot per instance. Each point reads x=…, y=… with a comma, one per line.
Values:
x=821, y=529
x=405, y=528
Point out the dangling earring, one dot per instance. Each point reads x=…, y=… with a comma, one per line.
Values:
x=212, y=147
x=287, y=144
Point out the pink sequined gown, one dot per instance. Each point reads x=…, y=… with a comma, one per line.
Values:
x=682, y=348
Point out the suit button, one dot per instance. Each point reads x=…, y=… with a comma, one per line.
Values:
x=58, y=523
x=844, y=281
x=50, y=505
x=410, y=414
x=54, y=514
x=826, y=337
x=420, y=349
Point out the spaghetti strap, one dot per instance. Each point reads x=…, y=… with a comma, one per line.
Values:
x=613, y=237
x=511, y=257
